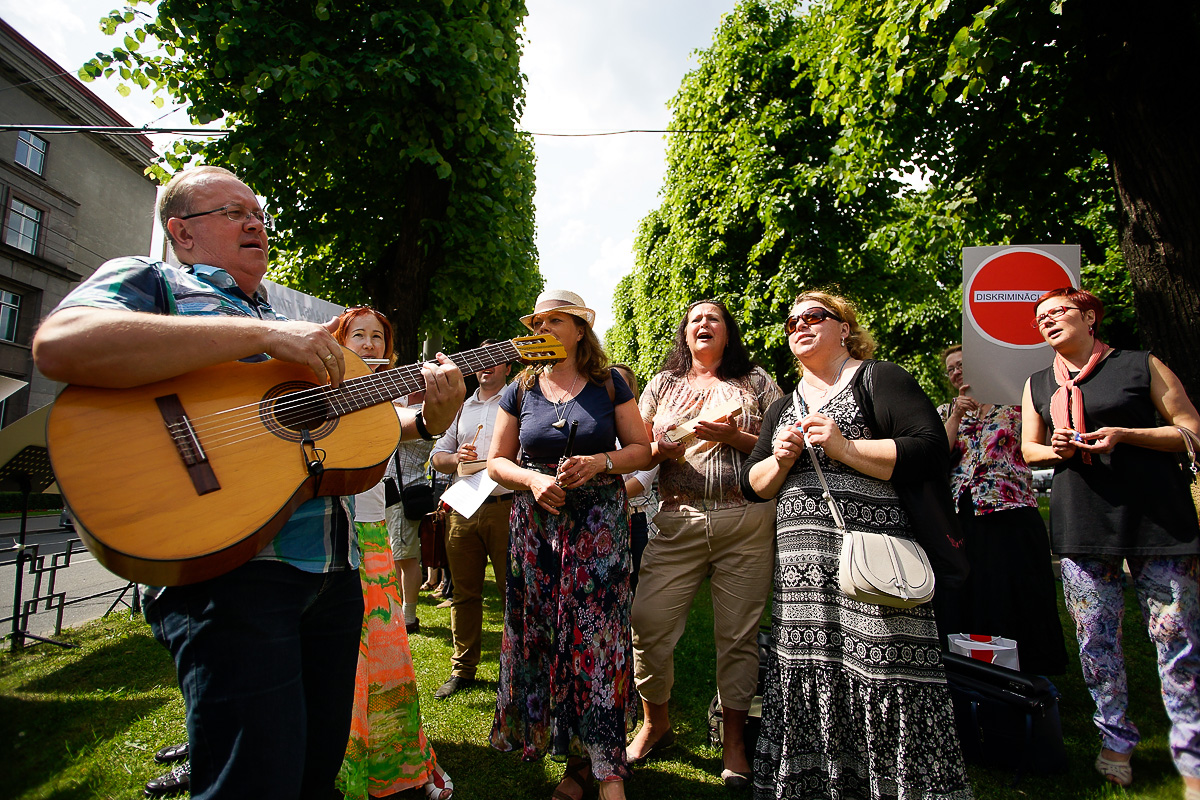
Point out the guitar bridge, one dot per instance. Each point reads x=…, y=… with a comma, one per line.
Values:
x=187, y=444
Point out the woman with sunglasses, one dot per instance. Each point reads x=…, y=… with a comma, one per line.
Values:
x=388, y=750
x=1010, y=589
x=706, y=527
x=1119, y=497
x=855, y=702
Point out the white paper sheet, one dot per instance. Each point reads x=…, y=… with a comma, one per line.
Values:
x=467, y=494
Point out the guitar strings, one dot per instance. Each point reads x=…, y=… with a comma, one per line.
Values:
x=224, y=428
x=214, y=431
x=356, y=389
x=316, y=404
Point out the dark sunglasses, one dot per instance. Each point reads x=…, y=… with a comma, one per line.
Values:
x=809, y=316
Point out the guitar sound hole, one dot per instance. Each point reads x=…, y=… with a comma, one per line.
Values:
x=290, y=408
x=302, y=415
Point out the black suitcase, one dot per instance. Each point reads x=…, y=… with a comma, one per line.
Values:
x=1005, y=718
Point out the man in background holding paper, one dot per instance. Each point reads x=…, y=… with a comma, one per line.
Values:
x=477, y=526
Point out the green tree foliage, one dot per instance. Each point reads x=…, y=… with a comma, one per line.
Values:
x=996, y=106
x=861, y=144
x=747, y=216
x=382, y=133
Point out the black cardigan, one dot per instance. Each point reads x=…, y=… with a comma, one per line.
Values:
x=895, y=407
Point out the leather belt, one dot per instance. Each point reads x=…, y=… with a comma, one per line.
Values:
x=496, y=498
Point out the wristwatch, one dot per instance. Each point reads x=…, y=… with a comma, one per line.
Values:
x=607, y=463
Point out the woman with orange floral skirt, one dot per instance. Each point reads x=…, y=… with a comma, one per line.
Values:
x=388, y=751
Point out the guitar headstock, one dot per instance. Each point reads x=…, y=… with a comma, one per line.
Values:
x=539, y=348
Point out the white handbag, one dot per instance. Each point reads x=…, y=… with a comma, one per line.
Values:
x=875, y=567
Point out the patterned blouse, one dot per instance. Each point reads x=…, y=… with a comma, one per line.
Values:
x=987, y=461
x=706, y=478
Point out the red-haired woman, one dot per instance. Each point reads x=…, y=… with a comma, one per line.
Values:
x=1118, y=496
x=388, y=750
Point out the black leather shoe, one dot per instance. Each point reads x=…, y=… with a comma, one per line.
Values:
x=175, y=752
x=177, y=781
x=412, y=627
x=451, y=686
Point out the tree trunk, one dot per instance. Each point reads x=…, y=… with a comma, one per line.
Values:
x=399, y=283
x=1146, y=89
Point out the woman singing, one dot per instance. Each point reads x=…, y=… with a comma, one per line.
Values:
x=706, y=528
x=388, y=750
x=856, y=703
x=565, y=661
x=1118, y=497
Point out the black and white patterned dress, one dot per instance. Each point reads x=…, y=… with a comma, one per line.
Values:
x=855, y=703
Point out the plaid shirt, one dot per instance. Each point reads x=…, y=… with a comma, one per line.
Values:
x=318, y=537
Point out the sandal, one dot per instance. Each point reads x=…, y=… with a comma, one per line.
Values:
x=440, y=787
x=579, y=771
x=1118, y=772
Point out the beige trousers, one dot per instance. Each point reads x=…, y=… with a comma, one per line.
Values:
x=736, y=547
x=470, y=543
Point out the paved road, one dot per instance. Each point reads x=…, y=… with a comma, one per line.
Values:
x=84, y=577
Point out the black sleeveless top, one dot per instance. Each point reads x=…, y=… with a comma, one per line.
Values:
x=1132, y=501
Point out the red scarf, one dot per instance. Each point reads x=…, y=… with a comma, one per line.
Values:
x=1066, y=405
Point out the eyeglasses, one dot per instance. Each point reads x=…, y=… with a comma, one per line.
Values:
x=1052, y=314
x=809, y=316
x=238, y=214
x=953, y=369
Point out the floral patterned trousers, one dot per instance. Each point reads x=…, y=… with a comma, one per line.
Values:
x=1167, y=590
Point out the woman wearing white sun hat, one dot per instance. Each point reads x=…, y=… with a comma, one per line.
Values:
x=565, y=677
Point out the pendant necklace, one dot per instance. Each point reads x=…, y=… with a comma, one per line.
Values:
x=828, y=388
x=562, y=418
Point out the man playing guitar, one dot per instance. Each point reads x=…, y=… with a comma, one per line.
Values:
x=266, y=652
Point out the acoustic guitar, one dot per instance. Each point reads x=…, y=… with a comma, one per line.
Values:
x=182, y=480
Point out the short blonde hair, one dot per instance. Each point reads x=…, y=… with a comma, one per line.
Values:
x=860, y=343
x=177, y=194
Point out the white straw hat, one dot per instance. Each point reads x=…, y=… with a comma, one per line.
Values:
x=560, y=300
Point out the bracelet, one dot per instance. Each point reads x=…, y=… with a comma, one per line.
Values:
x=422, y=431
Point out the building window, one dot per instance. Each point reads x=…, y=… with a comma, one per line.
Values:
x=31, y=152
x=21, y=230
x=10, y=313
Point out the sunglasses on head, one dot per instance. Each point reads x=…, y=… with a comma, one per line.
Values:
x=809, y=316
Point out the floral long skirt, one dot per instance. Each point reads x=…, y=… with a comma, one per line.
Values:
x=388, y=751
x=566, y=682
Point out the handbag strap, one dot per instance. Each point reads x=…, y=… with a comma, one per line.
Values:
x=825, y=493
x=1189, y=441
x=838, y=520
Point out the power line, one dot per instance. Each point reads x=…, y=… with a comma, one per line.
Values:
x=114, y=130
x=145, y=129
x=619, y=133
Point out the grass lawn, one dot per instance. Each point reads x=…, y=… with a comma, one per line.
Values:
x=84, y=723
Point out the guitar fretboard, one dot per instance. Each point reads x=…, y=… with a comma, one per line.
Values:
x=381, y=387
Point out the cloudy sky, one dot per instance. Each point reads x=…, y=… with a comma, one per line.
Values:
x=592, y=67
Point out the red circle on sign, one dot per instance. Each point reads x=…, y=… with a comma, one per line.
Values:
x=1001, y=295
